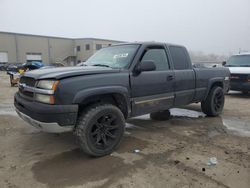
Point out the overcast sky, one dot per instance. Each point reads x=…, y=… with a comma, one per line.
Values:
x=211, y=26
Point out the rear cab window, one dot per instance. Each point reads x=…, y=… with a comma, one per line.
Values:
x=179, y=57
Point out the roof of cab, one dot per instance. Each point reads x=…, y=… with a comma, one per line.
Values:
x=148, y=43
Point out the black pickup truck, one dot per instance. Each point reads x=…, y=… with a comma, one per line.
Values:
x=116, y=83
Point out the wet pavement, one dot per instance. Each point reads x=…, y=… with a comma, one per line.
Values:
x=171, y=153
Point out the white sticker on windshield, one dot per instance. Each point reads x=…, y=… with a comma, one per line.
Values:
x=120, y=55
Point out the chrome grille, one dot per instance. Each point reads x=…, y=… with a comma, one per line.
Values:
x=31, y=82
x=28, y=81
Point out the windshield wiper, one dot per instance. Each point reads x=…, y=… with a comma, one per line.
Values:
x=100, y=65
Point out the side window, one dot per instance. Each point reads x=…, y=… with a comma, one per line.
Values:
x=179, y=58
x=78, y=48
x=87, y=47
x=158, y=56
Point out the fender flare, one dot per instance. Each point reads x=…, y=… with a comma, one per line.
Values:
x=211, y=83
x=85, y=93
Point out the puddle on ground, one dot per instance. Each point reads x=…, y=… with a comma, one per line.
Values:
x=237, y=126
x=229, y=125
x=179, y=112
x=130, y=126
x=76, y=168
x=145, y=123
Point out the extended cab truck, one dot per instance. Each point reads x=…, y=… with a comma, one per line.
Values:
x=239, y=66
x=116, y=83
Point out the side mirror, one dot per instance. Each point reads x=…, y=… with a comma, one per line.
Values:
x=224, y=63
x=145, y=66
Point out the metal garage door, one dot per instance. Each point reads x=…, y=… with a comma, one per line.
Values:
x=33, y=57
x=3, y=57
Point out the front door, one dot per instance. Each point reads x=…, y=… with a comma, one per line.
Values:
x=153, y=90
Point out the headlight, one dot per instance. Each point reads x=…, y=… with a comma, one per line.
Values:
x=44, y=91
x=49, y=99
x=47, y=84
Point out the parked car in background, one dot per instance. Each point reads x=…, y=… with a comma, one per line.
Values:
x=3, y=66
x=15, y=71
x=239, y=66
x=81, y=64
x=13, y=67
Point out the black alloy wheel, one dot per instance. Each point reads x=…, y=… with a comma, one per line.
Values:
x=99, y=129
x=218, y=100
x=214, y=103
x=105, y=131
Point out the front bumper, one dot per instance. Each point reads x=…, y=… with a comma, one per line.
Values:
x=240, y=86
x=49, y=118
x=45, y=127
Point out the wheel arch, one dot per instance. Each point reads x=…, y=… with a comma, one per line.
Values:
x=116, y=95
x=214, y=82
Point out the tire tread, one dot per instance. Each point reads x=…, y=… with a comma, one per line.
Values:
x=82, y=121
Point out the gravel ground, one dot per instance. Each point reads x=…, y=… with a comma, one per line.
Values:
x=172, y=153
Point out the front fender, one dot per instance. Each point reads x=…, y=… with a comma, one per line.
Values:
x=85, y=93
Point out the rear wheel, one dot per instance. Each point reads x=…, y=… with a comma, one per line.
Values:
x=161, y=115
x=214, y=103
x=99, y=129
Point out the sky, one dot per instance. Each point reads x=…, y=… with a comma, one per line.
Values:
x=211, y=26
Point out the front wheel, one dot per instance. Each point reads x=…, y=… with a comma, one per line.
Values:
x=214, y=103
x=99, y=129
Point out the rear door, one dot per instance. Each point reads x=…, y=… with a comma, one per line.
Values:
x=184, y=86
x=153, y=90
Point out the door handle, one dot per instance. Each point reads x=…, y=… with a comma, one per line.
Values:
x=170, y=77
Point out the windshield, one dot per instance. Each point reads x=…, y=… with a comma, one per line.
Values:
x=239, y=61
x=113, y=56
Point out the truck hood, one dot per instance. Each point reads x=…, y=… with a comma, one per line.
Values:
x=239, y=70
x=64, y=72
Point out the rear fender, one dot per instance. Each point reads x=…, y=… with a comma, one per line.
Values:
x=218, y=81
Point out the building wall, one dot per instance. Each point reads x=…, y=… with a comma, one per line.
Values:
x=52, y=49
x=7, y=44
x=60, y=49
x=31, y=44
x=84, y=54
